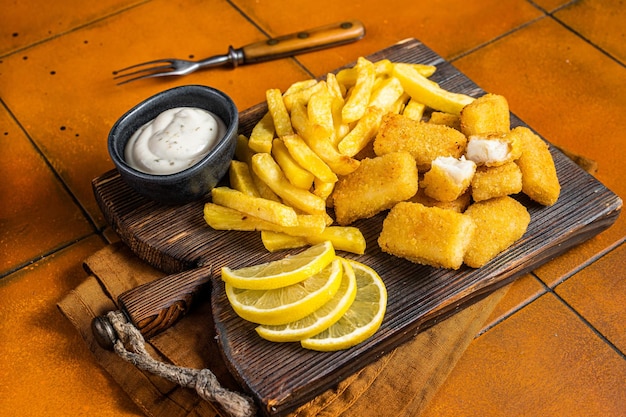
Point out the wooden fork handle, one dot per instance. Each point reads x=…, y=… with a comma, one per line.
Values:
x=304, y=41
x=155, y=306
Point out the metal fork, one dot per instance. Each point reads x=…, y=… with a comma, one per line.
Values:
x=281, y=47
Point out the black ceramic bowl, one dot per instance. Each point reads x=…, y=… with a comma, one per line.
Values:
x=194, y=182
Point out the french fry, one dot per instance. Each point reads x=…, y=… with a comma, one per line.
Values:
x=362, y=133
x=386, y=95
x=226, y=218
x=308, y=159
x=296, y=175
x=242, y=151
x=275, y=241
x=262, y=134
x=382, y=69
x=268, y=170
x=323, y=190
x=262, y=208
x=346, y=238
x=244, y=154
x=337, y=101
x=425, y=91
x=359, y=95
x=414, y=110
x=319, y=110
x=240, y=178
x=349, y=239
x=301, y=96
x=280, y=116
x=299, y=86
x=318, y=140
x=334, y=88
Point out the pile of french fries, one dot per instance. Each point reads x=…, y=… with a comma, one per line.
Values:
x=283, y=175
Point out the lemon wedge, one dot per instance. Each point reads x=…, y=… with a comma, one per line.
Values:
x=283, y=272
x=361, y=320
x=321, y=318
x=289, y=303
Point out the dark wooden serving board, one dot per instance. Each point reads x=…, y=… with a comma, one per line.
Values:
x=281, y=377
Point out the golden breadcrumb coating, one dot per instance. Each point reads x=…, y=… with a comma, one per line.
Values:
x=447, y=119
x=499, y=223
x=424, y=141
x=459, y=205
x=498, y=181
x=539, y=178
x=426, y=235
x=448, y=178
x=378, y=184
x=487, y=114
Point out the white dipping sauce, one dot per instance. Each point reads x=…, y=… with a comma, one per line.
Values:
x=174, y=141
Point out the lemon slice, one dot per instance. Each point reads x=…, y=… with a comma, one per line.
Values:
x=321, y=318
x=361, y=320
x=282, y=272
x=290, y=303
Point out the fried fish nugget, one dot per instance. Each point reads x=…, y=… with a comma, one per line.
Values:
x=447, y=119
x=493, y=149
x=448, y=178
x=539, y=178
x=499, y=223
x=426, y=235
x=500, y=181
x=487, y=114
x=424, y=141
x=459, y=205
x=378, y=184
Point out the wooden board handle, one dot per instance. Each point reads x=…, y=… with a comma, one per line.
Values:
x=155, y=306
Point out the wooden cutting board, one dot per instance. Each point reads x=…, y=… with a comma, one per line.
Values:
x=283, y=376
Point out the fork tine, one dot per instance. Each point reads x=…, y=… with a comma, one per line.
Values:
x=156, y=70
x=151, y=75
x=151, y=70
x=143, y=64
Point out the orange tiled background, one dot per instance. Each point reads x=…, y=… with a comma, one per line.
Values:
x=556, y=344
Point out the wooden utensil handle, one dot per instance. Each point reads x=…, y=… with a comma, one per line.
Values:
x=304, y=41
x=155, y=306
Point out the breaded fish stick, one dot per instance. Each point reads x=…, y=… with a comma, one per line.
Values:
x=426, y=235
x=499, y=223
x=448, y=178
x=378, y=184
x=539, y=179
x=487, y=114
x=500, y=181
x=424, y=141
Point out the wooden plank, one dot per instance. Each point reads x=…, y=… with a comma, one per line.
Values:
x=283, y=376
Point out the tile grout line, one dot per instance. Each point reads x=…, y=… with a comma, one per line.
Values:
x=552, y=13
x=584, y=265
x=495, y=39
x=588, y=324
x=70, y=30
x=551, y=290
x=45, y=255
x=548, y=289
x=48, y=164
x=256, y=25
